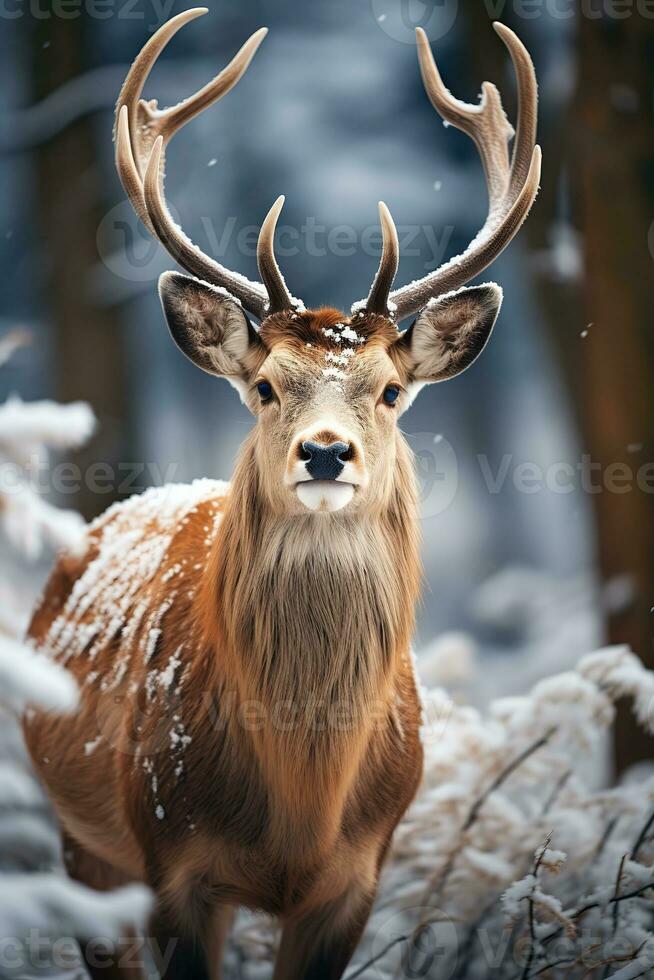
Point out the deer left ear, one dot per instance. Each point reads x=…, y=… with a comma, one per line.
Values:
x=210, y=327
x=450, y=333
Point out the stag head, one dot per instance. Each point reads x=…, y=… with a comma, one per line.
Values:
x=327, y=389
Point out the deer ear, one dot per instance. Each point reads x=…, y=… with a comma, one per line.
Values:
x=210, y=327
x=450, y=333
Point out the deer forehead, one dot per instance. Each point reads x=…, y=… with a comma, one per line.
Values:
x=328, y=352
x=326, y=328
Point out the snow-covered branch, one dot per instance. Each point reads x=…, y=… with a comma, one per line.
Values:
x=36, y=898
x=29, y=678
x=27, y=433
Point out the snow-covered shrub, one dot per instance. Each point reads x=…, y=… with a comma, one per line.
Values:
x=510, y=864
x=512, y=860
x=38, y=904
x=27, y=434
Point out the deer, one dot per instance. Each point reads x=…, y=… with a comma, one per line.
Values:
x=248, y=733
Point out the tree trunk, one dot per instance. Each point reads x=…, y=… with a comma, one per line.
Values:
x=603, y=145
x=88, y=339
x=612, y=165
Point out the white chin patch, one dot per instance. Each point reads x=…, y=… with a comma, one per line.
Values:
x=325, y=495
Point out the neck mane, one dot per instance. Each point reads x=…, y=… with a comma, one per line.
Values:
x=312, y=615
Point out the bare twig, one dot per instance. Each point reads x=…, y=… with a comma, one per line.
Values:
x=608, y=830
x=641, y=837
x=532, y=922
x=504, y=775
x=636, y=893
x=616, y=909
x=611, y=960
x=578, y=913
x=554, y=795
x=360, y=970
x=616, y=893
x=551, y=966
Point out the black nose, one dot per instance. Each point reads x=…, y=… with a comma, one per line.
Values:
x=325, y=462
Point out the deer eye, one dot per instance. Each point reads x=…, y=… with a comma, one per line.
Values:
x=265, y=391
x=391, y=394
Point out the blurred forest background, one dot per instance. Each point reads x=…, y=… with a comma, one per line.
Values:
x=333, y=114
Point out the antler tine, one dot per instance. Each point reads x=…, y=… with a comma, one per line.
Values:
x=252, y=295
x=142, y=65
x=377, y=301
x=142, y=132
x=128, y=172
x=146, y=120
x=527, y=104
x=273, y=280
x=512, y=186
x=486, y=124
x=177, y=116
x=135, y=137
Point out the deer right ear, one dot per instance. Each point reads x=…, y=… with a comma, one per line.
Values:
x=210, y=328
x=450, y=333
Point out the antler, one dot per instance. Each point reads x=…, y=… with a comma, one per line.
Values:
x=377, y=301
x=142, y=133
x=512, y=187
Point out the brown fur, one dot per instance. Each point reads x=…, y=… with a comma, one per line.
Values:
x=295, y=689
x=309, y=326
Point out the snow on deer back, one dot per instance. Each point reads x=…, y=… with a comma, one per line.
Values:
x=103, y=616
